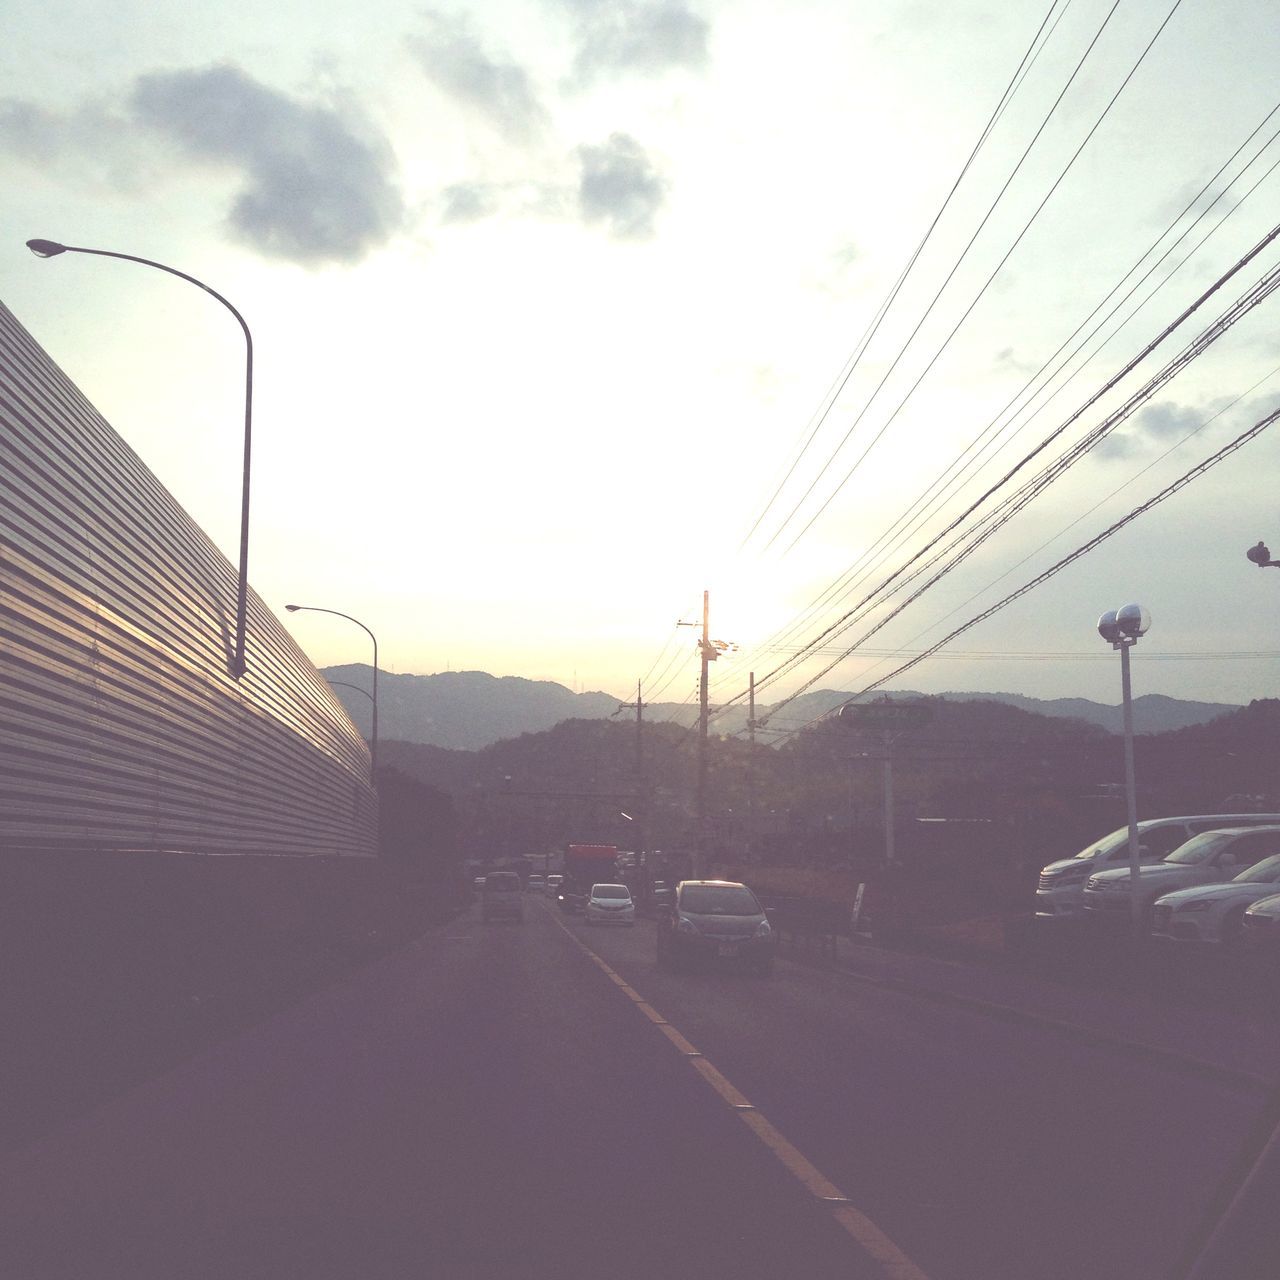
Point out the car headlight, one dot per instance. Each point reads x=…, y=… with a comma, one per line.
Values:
x=763, y=930
x=1193, y=906
x=685, y=925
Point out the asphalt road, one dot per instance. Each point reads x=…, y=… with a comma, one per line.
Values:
x=494, y=1102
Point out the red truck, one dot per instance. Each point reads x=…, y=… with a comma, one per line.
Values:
x=585, y=865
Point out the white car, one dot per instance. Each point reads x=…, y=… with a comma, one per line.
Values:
x=1060, y=892
x=1215, y=913
x=554, y=882
x=610, y=904
x=1261, y=925
x=1213, y=858
x=535, y=884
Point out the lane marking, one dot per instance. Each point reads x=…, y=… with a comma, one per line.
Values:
x=895, y=1264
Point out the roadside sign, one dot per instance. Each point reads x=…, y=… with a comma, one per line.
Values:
x=885, y=714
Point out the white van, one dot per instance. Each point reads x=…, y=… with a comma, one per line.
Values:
x=1061, y=889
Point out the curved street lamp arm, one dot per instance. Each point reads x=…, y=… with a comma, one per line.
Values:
x=373, y=737
x=49, y=249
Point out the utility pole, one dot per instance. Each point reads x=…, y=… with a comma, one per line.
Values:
x=641, y=798
x=751, y=766
x=707, y=654
x=708, y=651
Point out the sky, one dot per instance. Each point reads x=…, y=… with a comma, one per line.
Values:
x=551, y=299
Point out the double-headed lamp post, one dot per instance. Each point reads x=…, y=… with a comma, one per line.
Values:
x=373, y=737
x=51, y=249
x=1121, y=629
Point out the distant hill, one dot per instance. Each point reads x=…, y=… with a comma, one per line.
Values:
x=468, y=710
x=462, y=709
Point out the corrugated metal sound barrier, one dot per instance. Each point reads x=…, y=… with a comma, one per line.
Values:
x=120, y=727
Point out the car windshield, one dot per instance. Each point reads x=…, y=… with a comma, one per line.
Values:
x=1266, y=872
x=1106, y=846
x=1200, y=848
x=611, y=891
x=719, y=900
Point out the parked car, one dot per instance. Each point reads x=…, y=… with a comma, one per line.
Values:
x=1214, y=913
x=553, y=884
x=1061, y=888
x=1212, y=858
x=609, y=904
x=713, y=922
x=1260, y=927
x=502, y=897
x=535, y=884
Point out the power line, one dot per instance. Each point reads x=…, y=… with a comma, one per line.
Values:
x=834, y=391
x=988, y=524
x=981, y=292
x=938, y=490
x=1181, y=483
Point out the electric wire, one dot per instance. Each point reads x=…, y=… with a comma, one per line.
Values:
x=1210, y=334
x=973, y=538
x=947, y=481
x=1168, y=491
x=977, y=298
x=833, y=393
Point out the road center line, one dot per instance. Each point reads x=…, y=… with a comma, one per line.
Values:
x=894, y=1264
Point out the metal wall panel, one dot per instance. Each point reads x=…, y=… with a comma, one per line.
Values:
x=120, y=727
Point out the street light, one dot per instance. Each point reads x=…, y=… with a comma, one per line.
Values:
x=373, y=740
x=1121, y=629
x=51, y=249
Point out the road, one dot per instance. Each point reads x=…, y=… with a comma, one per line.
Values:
x=496, y=1101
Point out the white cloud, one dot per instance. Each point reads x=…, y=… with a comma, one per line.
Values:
x=319, y=185
x=620, y=187
x=502, y=92
x=637, y=36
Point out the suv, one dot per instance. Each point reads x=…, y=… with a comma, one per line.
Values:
x=1061, y=889
x=501, y=895
x=1212, y=858
x=713, y=921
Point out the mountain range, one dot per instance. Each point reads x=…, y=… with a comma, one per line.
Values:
x=468, y=710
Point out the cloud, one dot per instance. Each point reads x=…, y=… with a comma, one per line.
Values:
x=1154, y=425
x=318, y=185
x=94, y=140
x=620, y=187
x=466, y=202
x=645, y=36
x=502, y=92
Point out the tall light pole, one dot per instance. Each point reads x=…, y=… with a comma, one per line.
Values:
x=1121, y=629
x=373, y=740
x=51, y=249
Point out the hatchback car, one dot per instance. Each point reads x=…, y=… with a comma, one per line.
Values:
x=501, y=897
x=609, y=904
x=554, y=882
x=715, y=922
x=536, y=883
